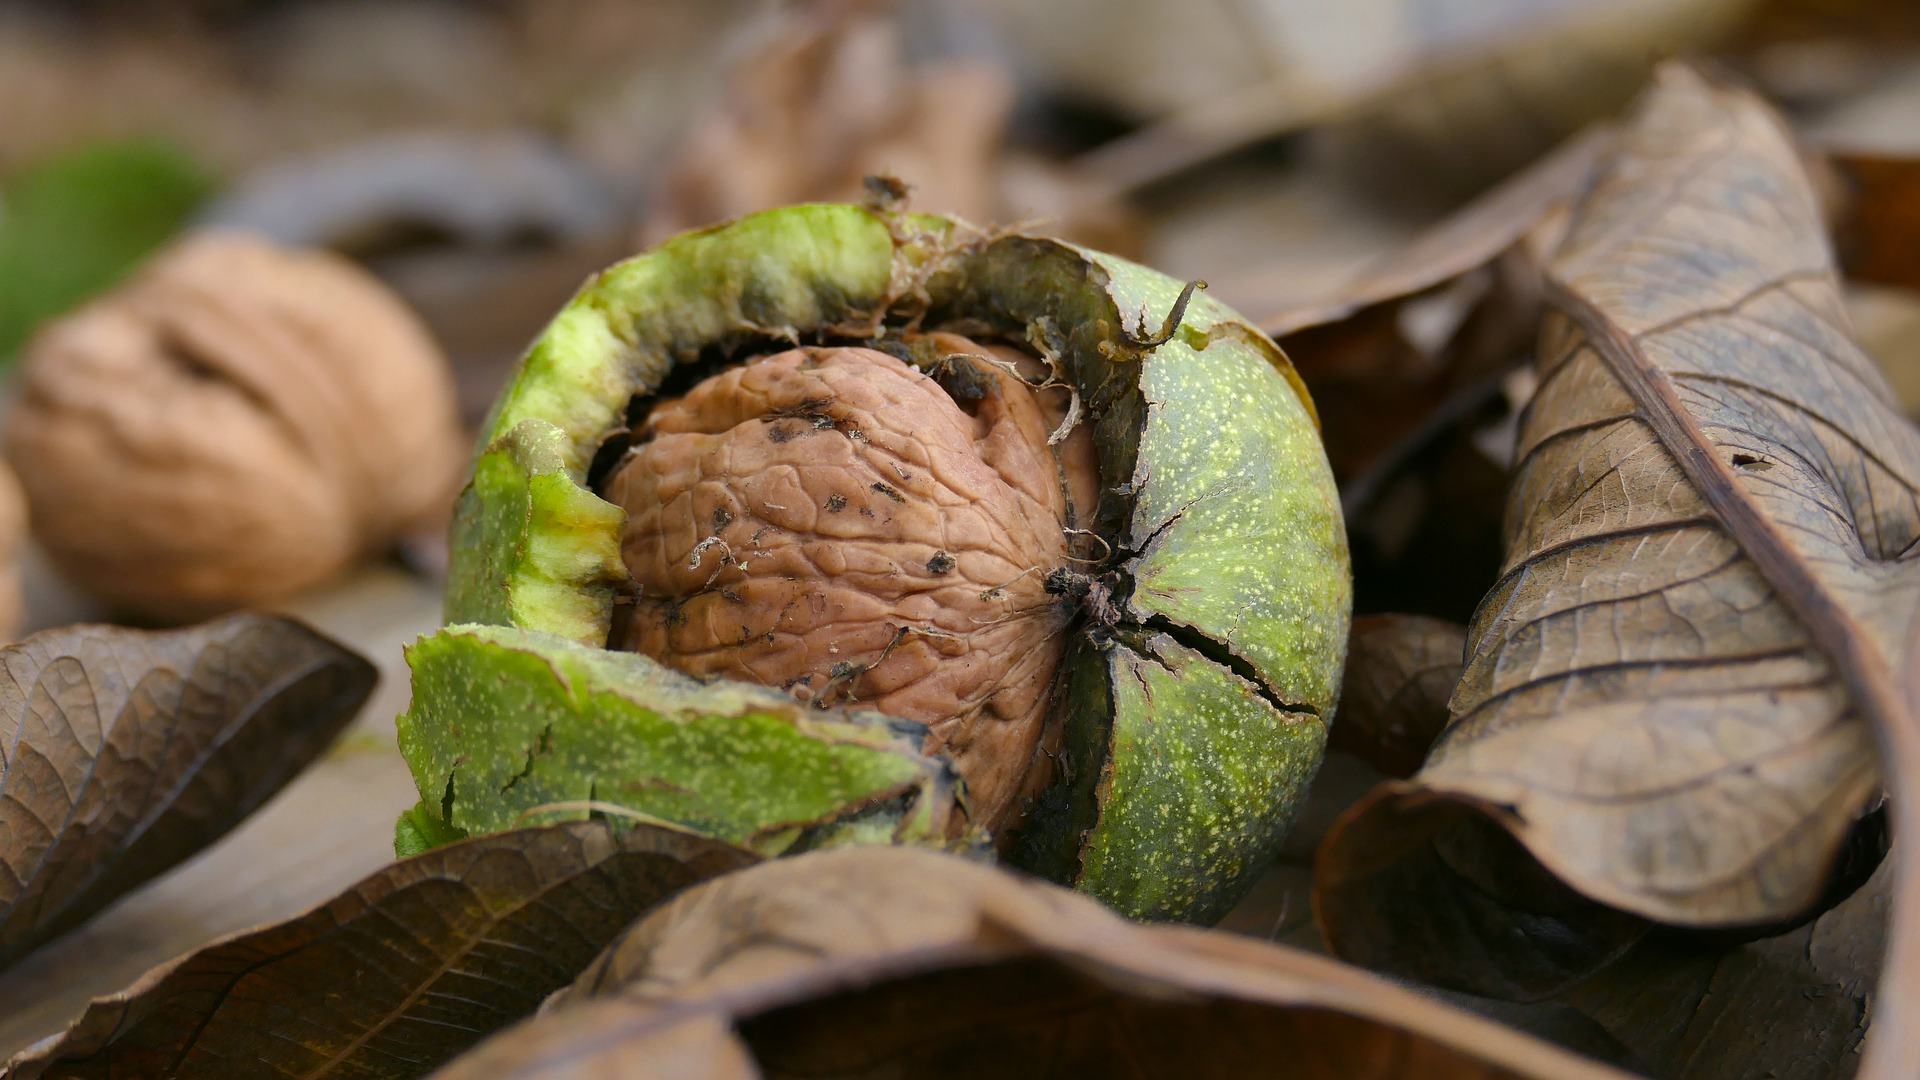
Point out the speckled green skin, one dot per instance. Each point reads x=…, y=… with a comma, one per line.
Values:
x=545, y=552
x=1195, y=709
x=741, y=763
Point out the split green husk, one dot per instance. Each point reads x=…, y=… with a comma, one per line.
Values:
x=1194, y=705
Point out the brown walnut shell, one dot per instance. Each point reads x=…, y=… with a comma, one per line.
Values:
x=235, y=424
x=832, y=521
x=13, y=533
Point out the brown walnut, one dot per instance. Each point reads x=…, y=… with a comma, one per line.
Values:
x=13, y=534
x=834, y=522
x=235, y=424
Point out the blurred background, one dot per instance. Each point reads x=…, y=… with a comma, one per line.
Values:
x=481, y=157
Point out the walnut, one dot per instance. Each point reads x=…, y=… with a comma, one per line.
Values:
x=1096, y=624
x=13, y=531
x=834, y=522
x=235, y=424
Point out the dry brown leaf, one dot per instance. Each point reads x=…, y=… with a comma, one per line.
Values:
x=1670, y=699
x=273, y=865
x=1792, y=1007
x=832, y=99
x=1393, y=700
x=123, y=751
x=890, y=961
x=395, y=975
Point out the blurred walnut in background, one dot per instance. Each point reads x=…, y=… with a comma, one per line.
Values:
x=13, y=531
x=235, y=424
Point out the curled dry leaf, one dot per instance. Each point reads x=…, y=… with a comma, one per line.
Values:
x=832, y=99
x=1669, y=703
x=124, y=751
x=892, y=961
x=235, y=424
x=398, y=973
x=1393, y=701
x=13, y=535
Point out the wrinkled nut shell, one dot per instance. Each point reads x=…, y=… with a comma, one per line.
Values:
x=235, y=424
x=13, y=532
x=832, y=522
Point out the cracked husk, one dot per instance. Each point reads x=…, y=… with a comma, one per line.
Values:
x=1195, y=604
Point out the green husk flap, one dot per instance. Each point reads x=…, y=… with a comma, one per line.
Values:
x=516, y=727
x=537, y=549
x=1173, y=715
x=421, y=829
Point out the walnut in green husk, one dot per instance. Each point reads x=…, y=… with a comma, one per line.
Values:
x=1021, y=543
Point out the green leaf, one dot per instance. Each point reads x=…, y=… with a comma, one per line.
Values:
x=74, y=225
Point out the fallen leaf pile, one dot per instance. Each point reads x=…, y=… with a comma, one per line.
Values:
x=1668, y=696
x=900, y=962
x=1625, y=777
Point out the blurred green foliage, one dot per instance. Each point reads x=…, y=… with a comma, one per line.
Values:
x=75, y=224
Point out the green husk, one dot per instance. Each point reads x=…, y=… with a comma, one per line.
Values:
x=737, y=762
